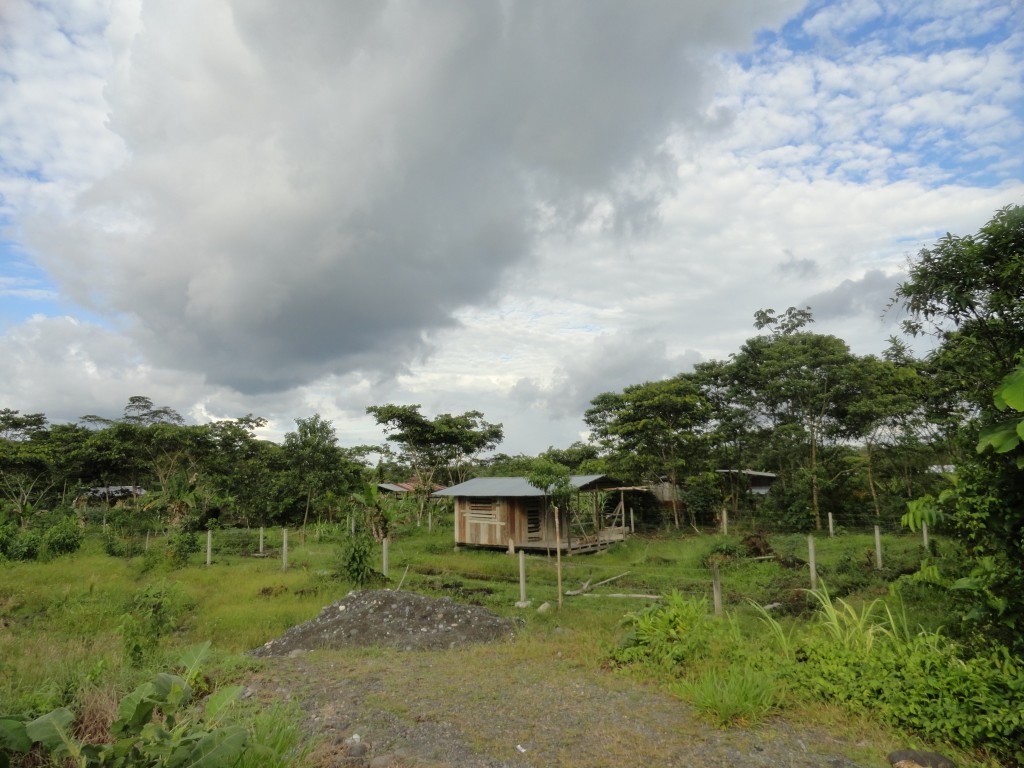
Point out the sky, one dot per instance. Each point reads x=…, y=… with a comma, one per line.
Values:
x=508, y=206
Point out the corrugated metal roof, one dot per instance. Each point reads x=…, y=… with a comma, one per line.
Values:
x=396, y=487
x=510, y=486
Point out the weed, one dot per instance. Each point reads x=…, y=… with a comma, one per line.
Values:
x=735, y=695
x=152, y=613
x=356, y=560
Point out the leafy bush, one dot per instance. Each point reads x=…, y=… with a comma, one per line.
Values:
x=156, y=724
x=25, y=545
x=151, y=614
x=63, y=538
x=868, y=661
x=181, y=546
x=356, y=560
x=675, y=632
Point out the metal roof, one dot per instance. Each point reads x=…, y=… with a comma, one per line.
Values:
x=518, y=486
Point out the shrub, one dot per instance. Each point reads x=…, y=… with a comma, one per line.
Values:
x=675, y=632
x=151, y=614
x=356, y=560
x=7, y=535
x=25, y=545
x=63, y=538
x=157, y=724
x=181, y=546
x=869, y=662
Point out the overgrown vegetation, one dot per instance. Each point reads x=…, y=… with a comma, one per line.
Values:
x=160, y=723
x=64, y=648
x=868, y=660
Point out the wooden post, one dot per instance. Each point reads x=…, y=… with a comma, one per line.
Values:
x=261, y=539
x=147, y=541
x=558, y=555
x=716, y=586
x=811, y=562
x=924, y=534
x=522, y=577
x=725, y=521
x=878, y=549
x=632, y=521
x=284, y=549
x=831, y=527
x=384, y=557
x=209, y=546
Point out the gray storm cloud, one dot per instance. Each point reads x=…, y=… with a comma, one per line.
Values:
x=314, y=188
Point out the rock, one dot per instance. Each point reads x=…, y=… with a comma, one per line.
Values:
x=358, y=749
x=915, y=758
x=544, y=608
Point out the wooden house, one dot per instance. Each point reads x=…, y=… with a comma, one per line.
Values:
x=508, y=512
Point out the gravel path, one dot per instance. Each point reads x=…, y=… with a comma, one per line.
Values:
x=495, y=705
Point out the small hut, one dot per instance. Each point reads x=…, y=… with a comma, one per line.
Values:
x=509, y=512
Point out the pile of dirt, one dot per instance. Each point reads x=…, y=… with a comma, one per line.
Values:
x=402, y=620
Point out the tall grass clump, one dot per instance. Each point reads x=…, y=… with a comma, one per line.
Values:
x=869, y=661
x=705, y=658
x=733, y=695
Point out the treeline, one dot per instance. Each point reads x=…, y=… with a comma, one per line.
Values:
x=857, y=436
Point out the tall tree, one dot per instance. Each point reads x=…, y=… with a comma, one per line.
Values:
x=442, y=447
x=651, y=428
x=26, y=459
x=886, y=416
x=315, y=459
x=968, y=291
x=800, y=384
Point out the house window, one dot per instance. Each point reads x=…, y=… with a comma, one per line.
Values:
x=534, y=520
x=482, y=510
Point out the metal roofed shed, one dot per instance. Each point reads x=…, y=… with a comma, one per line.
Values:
x=509, y=512
x=757, y=482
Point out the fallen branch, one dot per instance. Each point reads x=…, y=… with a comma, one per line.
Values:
x=587, y=586
x=639, y=597
x=400, y=583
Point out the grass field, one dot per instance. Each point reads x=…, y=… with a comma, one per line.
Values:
x=62, y=642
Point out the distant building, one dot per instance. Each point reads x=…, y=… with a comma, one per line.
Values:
x=111, y=494
x=754, y=482
x=509, y=512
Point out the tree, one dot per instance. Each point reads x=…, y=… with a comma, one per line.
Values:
x=651, y=428
x=968, y=291
x=445, y=445
x=316, y=461
x=26, y=458
x=800, y=385
x=886, y=415
x=555, y=481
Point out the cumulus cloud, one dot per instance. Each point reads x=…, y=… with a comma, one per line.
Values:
x=852, y=298
x=310, y=192
x=611, y=363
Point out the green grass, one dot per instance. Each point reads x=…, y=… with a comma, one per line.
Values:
x=60, y=619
